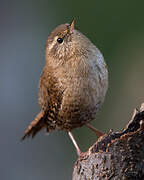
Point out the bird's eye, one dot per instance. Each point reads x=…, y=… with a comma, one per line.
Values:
x=60, y=40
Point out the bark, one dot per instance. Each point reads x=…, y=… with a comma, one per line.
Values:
x=116, y=155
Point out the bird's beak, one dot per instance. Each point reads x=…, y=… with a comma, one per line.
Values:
x=72, y=26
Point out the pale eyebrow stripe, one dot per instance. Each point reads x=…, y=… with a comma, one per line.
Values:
x=53, y=43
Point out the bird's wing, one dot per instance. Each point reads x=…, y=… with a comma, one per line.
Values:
x=50, y=99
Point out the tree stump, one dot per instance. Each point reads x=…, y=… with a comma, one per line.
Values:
x=116, y=155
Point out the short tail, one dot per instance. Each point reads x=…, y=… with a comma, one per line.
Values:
x=35, y=126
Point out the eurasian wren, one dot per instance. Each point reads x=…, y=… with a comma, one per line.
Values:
x=72, y=85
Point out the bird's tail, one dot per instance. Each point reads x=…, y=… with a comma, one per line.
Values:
x=35, y=126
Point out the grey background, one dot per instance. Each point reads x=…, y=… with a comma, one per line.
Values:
x=116, y=27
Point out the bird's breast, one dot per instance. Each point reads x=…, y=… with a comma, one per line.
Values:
x=83, y=96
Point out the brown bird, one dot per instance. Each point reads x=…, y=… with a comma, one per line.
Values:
x=72, y=85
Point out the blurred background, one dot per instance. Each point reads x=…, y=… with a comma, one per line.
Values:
x=117, y=29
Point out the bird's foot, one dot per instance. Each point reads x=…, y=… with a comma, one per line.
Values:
x=79, y=153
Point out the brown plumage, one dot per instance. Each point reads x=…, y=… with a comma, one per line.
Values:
x=73, y=83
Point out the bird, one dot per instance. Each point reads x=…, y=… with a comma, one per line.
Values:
x=73, y=83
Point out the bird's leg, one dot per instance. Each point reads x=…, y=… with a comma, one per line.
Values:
x=98, y=133
x=75, y=143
